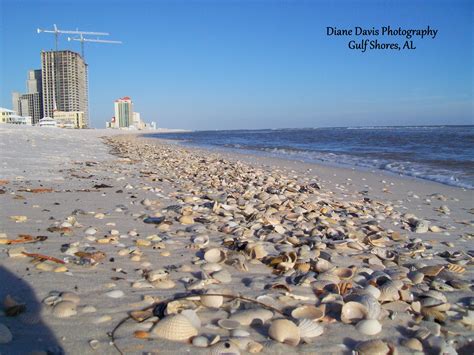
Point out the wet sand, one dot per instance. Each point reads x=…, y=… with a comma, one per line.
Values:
x=90, y=196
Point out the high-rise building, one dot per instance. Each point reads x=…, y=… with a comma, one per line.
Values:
x=64, y=83
x=31, y=103
x=123, y=112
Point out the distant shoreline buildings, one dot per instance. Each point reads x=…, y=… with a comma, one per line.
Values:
x=126, y=118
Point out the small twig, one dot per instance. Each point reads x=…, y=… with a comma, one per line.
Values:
x=246, y=299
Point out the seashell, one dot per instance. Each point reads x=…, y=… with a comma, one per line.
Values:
x=228, y=324
x=352, y=312
x=310, y=329
x=52, y=300
x=200, y=241
x=433, y=313
x=344, y=273
x=371, y=304
x=369, y=327
x=175, y=327
x=328, y=276
x=64, y=309
x=5, y=334
x=373, y=291
x=258, y=252
x=70, y=296
x=416, y=277
x=215, y=255
x=284, y=331
x=247, y=317
x=458, y=269
x=192, y=317
x=164, y=284
x=239, y=333
x=115, y=294
x=396, y=306
x=388, y=292
x=224, y=348
x=413, y=344
x=211, y=301
x=211, y=267
x=374, y=347
x=344, y=287
x=141, y=334
x=431, y=270
x=323, y=265
x=436, y=295
x=308, y=312
x=200, y=342
x=254, y=347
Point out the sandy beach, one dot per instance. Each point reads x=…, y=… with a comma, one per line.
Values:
x=95, y=224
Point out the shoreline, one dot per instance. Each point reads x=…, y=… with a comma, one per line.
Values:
x=89, y=195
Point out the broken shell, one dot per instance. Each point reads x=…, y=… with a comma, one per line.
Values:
x=284, y=331
x=373, y=347
x=247, y=317
x=224, y=348
x=212, y=301
x=52, y=300
x=456, y=268
x=369, y=326
x=70, y=296
x=211, y=267
x=310, y=329
x=344, y=273
x=308, y=312
x=352, y=312
x=431, y=270
x=64, y=309
x=258, y=252
x=192, y=317
x=253, y=347
x=215, y=255
x=200, y=241
x=175, y=327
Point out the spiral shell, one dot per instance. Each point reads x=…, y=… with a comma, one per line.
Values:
x=175, y=327
x=284, y=331
x=64, y=309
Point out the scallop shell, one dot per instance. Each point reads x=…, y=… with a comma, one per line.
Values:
x=5, y=334
x=352, y=312
x=308, y=312
x=369, y=326
x=64, y=309
x=215, y=255
x=456, y=268
x=211, y=301
x=310, y=329
x=389, y=292
x=224, y=348
x=284, y=331
x=247, y=317
x=192, y=317
x=175, y=327
x=373, y=347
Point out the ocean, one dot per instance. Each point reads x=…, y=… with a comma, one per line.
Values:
x=443, y=154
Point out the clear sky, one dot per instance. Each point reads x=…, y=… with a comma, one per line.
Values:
x=217, y=64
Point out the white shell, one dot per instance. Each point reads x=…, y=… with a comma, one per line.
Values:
x=373, y=347
x=228, y=324
x=223, y=276
x=214, y=255
x=239, y=333
x=310, y=329
x=193, y=317
x=372, y=306
x=211, y=267
x=64, y=309
x=369, y=327
x=212, y=301
x=389, y=292
x=115, y=294
x=5, y=334
x=352, y=312
x=248, y=316
x=307, y=311
x=284, y=331
x=70, y=296
x=176, y=327
x=200, y=342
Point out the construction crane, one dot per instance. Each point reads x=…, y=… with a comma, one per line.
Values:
x=57, y=32
x=83, y=40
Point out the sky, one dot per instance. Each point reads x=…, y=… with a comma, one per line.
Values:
x=235, y=64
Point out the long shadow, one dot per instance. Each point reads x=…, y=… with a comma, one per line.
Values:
x=29, y=332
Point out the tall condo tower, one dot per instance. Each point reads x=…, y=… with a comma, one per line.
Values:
x=64, y=81
x=123, y=112
x=30, y=104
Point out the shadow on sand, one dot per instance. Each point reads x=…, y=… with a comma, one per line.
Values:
x=30, y=334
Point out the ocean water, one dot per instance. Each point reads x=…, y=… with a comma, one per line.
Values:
x=443, y=154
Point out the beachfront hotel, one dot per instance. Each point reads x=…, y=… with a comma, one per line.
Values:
x=123, y=112
x=64, y=83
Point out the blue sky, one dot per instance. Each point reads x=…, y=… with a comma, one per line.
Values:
x=255, y=64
